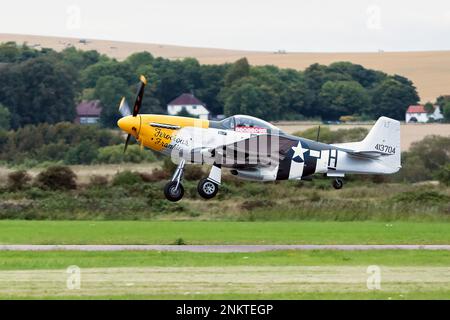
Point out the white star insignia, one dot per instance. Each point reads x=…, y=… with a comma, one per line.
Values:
x=299, y=152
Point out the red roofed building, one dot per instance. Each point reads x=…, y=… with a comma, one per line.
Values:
x=88, y=112
x=190, y=104
x=418, y=113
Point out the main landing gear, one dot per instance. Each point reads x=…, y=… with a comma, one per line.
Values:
x=174, y=190
x=207, y=188
x=338, y=183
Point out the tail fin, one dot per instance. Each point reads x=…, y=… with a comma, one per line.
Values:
x=384, y=140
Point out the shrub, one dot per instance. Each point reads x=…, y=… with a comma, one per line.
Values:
x=424, y=159
x=18, y=180
x=179, y=242
x=155, y=176
x=443, y=175
x=193, y=172
x=115, y=154
x=126, y=178
x=98, y=181
x=57, y=178
x=422, y=197
x=254, y=204
x=83, y=153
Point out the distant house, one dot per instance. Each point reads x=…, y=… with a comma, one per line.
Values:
x=190, y=104
x=88, y=112
x=419, y=114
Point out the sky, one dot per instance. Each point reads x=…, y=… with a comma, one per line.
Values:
x=267, y=25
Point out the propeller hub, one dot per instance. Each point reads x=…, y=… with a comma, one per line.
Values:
x=130, y=124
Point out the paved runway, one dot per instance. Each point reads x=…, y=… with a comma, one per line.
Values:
x=216, y=248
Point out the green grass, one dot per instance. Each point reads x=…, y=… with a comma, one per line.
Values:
x=24, y=260
x=27, y=286
x=372, y=295
x=219, y=232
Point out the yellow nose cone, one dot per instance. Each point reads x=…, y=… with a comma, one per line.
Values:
x=130, y=124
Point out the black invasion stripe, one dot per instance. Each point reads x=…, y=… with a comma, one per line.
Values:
x=284, y=166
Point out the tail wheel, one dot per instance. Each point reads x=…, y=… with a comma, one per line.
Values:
x=172, y=192
x=338, y=184
x=207, y=189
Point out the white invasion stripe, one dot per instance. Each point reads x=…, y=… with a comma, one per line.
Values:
x=314, y=153
x=296, y=170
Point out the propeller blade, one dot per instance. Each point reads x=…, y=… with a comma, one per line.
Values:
x=124, y=108
x=126, y=143
x=140, y=95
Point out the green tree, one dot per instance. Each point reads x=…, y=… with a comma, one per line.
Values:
x=39, y=90
x=238, y=70
x=93, y=73
x=139, y=59
x=5, y=118
x=212, y=81
x=109, y=90
x=78, y=58
x=248, y=97
x=391, y=98
x=446, y=112
x=340, y=98
x=83, y=153
x=429, y=107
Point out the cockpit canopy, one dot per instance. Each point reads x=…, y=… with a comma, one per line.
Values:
x=249, y=124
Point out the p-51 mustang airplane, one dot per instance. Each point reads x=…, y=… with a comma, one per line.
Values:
x=256, y=150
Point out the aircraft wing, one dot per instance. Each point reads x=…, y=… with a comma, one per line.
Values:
x=260, y=150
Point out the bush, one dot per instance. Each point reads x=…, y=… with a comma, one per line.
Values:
x=57, y=178
x=443, y=175
x=193, y=172
x=255, y=204
x=155, y=176
x=98, y=181
x=425, y=159
x=46, y=142
x=115, y=154
x=422, y=197
x=18, y=180
x=84, y=153
x=125, y=178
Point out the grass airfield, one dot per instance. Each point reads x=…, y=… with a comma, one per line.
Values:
x=316, y=274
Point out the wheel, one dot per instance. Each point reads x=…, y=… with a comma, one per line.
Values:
x=338, y=184
x=207, y=189
x=173, y=193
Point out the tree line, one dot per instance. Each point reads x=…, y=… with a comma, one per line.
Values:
x=44, y=86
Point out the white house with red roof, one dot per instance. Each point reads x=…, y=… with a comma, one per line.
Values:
x=190, y=104
x=88, y=112
x=418, y=113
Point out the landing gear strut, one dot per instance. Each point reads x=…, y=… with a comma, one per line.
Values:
x=174, y=190
x=338, y=183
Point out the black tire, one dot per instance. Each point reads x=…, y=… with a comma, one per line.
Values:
x=338, y=184
x=207, y=189
x=173, y=193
